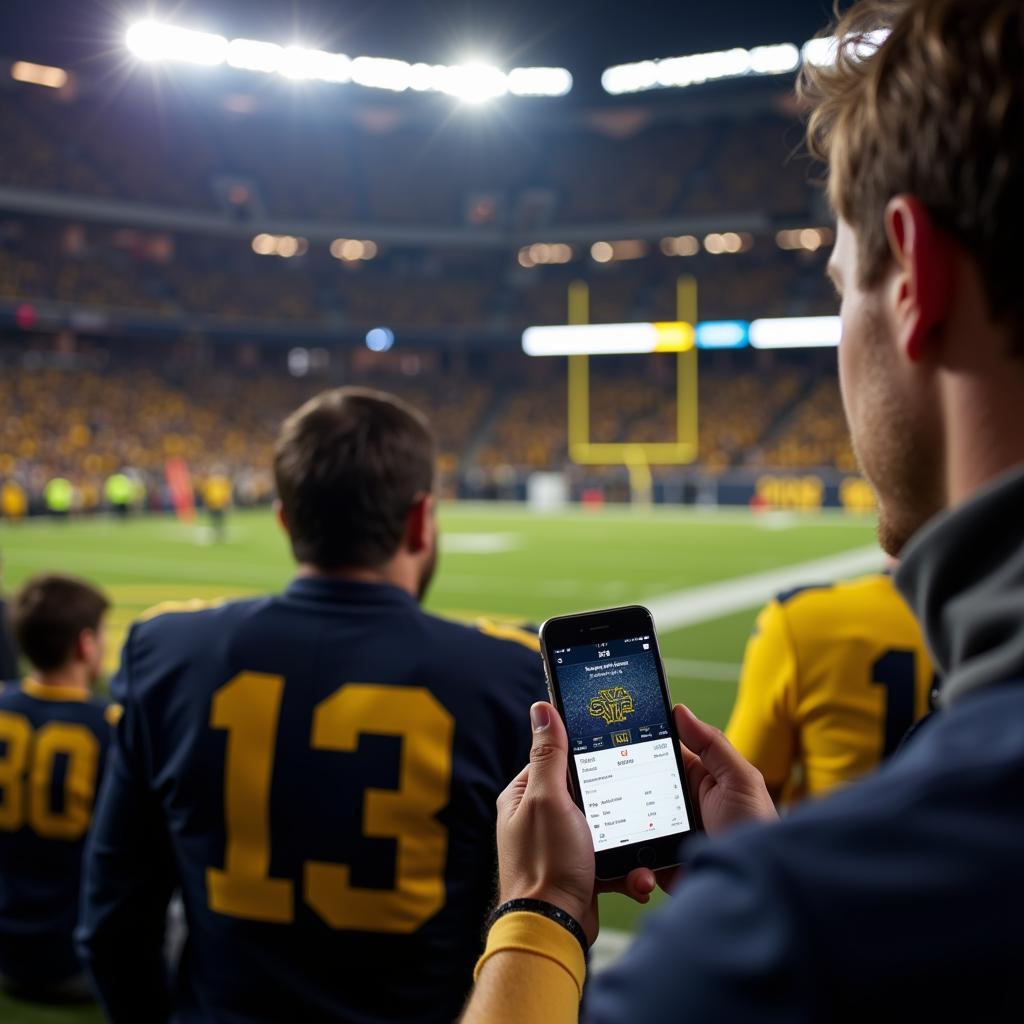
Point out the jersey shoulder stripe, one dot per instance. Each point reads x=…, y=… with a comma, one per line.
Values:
x=505, y=631
x=195, y=604
x=787, y=595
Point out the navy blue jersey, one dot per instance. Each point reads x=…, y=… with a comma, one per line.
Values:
x=53, y=743
x=8, y=651
x=317, y=771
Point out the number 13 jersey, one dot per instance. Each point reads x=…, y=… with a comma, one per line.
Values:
x=317, y=772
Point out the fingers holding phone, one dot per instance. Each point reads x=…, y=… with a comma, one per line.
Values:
x=544, y=846
x=729, y=790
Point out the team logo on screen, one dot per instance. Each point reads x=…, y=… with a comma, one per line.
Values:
x=612, y=705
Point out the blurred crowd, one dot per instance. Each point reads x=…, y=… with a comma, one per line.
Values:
x=102, y=412
x=402, y=169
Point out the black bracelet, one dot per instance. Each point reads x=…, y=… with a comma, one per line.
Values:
x=545, y=909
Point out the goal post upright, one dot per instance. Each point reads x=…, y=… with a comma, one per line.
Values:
x=637, y=457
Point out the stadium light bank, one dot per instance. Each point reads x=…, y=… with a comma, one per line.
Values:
x=639, y=339
x=470, y=82
x=698, y=68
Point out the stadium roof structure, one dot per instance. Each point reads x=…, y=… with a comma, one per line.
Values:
x=585, y=36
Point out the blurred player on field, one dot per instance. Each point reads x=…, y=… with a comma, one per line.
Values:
x=54, y=735
x=833, y=678
x=217, y=492
x=317, y=771
x=13, y=501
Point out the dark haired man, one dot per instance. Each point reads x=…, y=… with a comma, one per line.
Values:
x=316, y=771
x=900, y=897
x=53, y=736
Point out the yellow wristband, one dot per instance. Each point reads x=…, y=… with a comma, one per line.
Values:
x=526, y=932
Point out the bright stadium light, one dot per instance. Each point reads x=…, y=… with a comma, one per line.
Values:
x=153, y=40
x=722, y=334
x=381, y=73
x=471, y=82
x=299, y=63
x=608, y=339
x=254, y=55
x=697, y=68
x=39, y=74
x=796, y=332
x=820, y=52
x=539, y=81
x=380, y=339
x=475, y=82
x=774, y=60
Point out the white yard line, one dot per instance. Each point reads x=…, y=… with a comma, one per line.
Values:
x=610, y=945
x=715, y=600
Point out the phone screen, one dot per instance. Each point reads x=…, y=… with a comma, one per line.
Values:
x=621, y=740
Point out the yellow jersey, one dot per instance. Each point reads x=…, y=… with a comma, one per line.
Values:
x=833, y=677
x=217, y=493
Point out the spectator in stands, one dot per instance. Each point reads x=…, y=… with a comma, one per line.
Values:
x=833, y=678
x=55, y=734
x=901, y=895
x=316, y=771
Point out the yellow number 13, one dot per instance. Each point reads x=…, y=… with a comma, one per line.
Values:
x=248, y=707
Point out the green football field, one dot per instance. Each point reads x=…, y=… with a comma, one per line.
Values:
x=705, y=573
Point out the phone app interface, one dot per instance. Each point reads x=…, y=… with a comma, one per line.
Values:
x=620, y=739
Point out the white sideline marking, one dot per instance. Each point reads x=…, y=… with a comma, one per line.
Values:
x=714, y=600
x=610, y=945
x=719, y=671
x=480, y=543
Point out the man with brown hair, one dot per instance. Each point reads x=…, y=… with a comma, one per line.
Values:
x=900, y=897
x=317, y=771
x=54, y=735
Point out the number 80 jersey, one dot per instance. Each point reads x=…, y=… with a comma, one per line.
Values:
x=317, y=772
x=53, y=743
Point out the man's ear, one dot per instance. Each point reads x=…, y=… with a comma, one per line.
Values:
x=921, y=290
x=419, y=524
x=85, y=646
x=279, y=515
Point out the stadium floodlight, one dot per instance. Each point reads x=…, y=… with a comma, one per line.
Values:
x=540, y=81
x=820, y=52
x=153, y=40
x=471, y=82
x=474, y=82
x=380, y=339
x=608, y=339
x=796, y=332
x=774, y=60
x=255, y=55
x=381, y=73
x=300, y=63
x=697, y=68
x=722, y=334
x=39, y=74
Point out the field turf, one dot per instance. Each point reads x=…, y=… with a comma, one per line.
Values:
x=498, y=561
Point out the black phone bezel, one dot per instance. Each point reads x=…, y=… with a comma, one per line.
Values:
x=591, y=628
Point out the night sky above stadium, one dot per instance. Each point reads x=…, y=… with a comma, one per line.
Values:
x=583, y=35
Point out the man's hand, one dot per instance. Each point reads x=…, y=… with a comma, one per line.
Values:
x=545, y=849
x=728, y=789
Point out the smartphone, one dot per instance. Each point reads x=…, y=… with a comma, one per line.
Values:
x=607, y=681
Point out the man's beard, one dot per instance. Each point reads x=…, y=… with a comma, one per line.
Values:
x=899, y=455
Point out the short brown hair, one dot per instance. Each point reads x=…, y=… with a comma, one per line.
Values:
x=49, y=613
x=934, y=109
x=349, y=465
